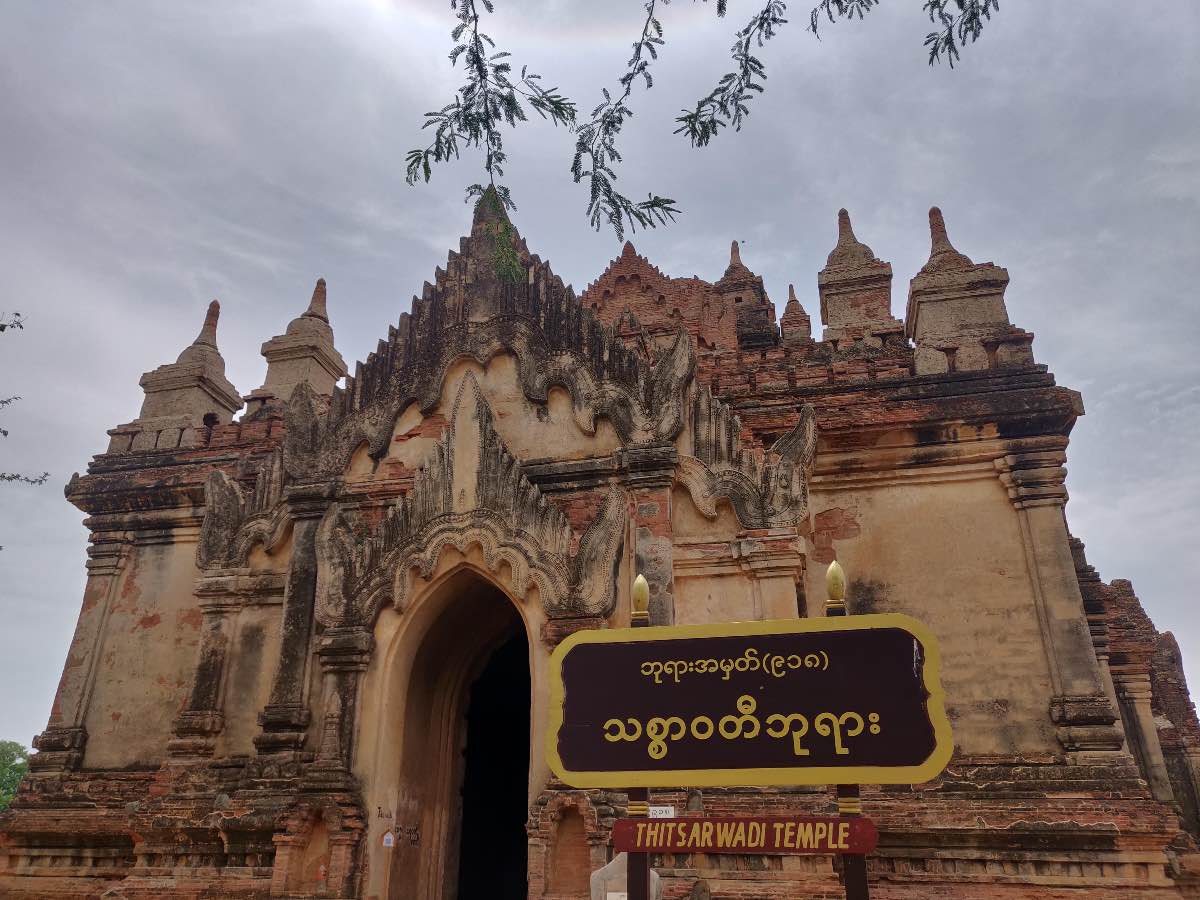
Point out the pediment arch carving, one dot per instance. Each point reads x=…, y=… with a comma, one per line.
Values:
x=470, y=492
x=556, y=341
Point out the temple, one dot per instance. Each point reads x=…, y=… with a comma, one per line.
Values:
x=311, y=657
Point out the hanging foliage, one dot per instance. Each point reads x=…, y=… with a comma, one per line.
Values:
x=493, y=98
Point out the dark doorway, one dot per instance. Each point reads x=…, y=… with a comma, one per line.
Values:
x=492, y=854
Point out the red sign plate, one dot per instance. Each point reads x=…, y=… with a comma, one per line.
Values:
x=768, y=835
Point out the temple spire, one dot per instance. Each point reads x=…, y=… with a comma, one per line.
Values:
x=956, y=313
x=795, y=324
x=942, y=255
x=736, y=268
x=937, y=231
x=845, y=229
x=489, y=208
x=754, y=311
x=208, y=331
x=849, y=250
x=204, y=347
x=316, y=306
x=304, y=353
x=856, y=293
x=182, y=396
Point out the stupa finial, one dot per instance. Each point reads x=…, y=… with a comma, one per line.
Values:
x=489, y=208
x=849, y=250
x=204, y=347
x=942, y=255
x=208, y=331
x=937, y=231
x=845, y=229
x=316, y=306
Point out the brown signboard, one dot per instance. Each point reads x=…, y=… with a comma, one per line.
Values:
x=768, y=835
x=800, y=701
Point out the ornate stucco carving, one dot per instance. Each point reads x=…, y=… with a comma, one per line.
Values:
x=766, y=489
x=469, y=314
x=235, y=522
x=224, y=509
x=470, y=492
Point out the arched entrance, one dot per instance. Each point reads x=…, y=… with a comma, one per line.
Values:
x=462, y=785
x=493, y=847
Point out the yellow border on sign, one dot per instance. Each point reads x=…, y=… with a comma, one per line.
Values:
x=769, y=777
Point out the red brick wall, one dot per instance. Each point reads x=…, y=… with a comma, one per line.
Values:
x=661, y=304
x=570, y=869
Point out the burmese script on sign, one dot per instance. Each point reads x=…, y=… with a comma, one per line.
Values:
x=759, y=834
x=750, y=660
x=804, y=701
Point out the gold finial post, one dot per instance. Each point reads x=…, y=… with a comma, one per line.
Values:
x=835, y=587
x=640, y=612
x=638, y=864
x=849, y=796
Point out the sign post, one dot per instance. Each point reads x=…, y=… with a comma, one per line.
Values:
x=389, y=843
x=838, y=700
x=638, y=869
x=849, y=799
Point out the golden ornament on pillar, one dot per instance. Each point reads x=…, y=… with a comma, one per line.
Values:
x=641, y=601
x=835, y=587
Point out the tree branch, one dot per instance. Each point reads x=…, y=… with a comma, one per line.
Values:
x=956, y=30
x=727, y=103
x=488, y=100
x=596, y=154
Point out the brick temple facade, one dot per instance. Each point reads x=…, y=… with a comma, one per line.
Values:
x=329, y=619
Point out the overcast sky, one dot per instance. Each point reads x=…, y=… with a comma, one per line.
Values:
x=156, y=155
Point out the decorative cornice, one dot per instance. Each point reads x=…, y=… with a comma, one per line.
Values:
x=1036, y=478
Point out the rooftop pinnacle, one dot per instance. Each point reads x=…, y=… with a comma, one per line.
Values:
x=314, y=321
x=793, y=307
x=195, y=385
x=316, y=306
x=795, y=325
x=849, y=250
x=489, y=208
x=204, y=347
x=937, y=230
x=845, y=229
x=855, y=290
x=942, y=255
x=736, y=268
x=304, y=353
x=208, y=331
